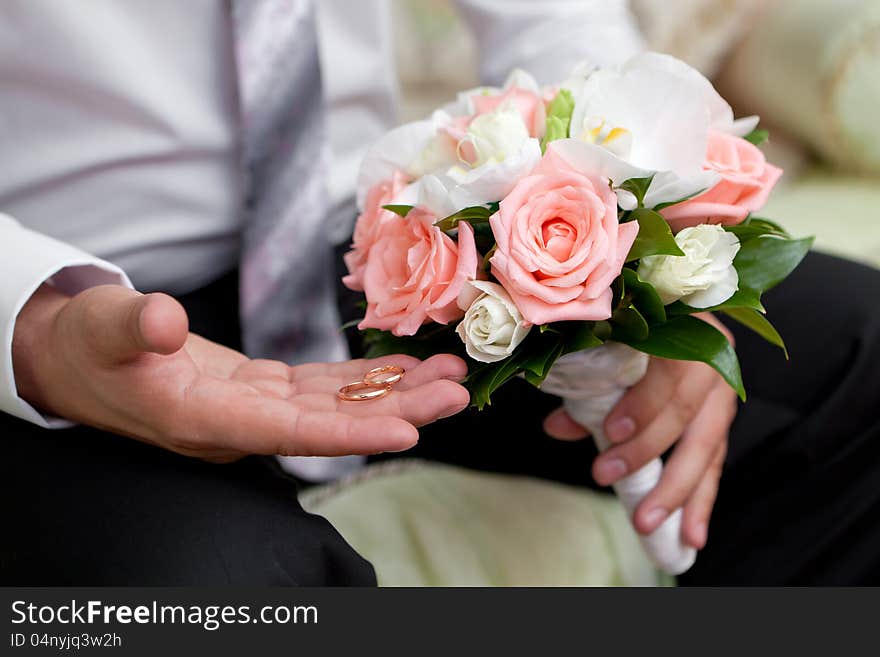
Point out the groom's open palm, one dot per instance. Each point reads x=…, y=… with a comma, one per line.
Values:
x=125, y=362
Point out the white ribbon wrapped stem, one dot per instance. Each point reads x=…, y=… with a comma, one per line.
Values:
x=591, y=383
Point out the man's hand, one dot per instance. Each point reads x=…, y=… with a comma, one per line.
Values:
x=679, y=401
x=125, y=362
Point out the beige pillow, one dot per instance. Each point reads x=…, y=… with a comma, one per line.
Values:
x=812, y=68
x=700, y=32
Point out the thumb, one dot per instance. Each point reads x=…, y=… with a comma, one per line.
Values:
x=121, y=323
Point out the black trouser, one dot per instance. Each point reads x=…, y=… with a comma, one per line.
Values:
x=799, y=500
x=84, y=507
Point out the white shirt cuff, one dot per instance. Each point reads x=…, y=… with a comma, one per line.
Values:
x=30, y=259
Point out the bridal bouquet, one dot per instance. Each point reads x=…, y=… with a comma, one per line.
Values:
x=563, y=233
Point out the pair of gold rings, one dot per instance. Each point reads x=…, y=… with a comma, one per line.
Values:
x=376, y=383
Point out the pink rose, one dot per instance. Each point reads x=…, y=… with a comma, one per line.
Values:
x=415, y=272
x=746, y=181
x=560, y=244
x=369, y=227
x=529, y=104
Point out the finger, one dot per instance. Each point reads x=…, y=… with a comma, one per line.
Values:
x=666, y=428
x=625, y=458
x=559, y=425
x=419, y=406
x=119, y=323
x=698, y=510
x=644, y=401
x=441, y=366
x=163, y=324
x=219, y=416
x=328, y=380
x=689, y=462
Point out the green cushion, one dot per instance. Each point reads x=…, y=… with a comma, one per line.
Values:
x=843, y=212
x=424, y=524
x=811, y=67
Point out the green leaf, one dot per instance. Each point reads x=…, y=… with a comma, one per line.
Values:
x=487, y=379
x=628, y=324
x=558, y=118
x=756, y=227
x=765, y=261
x=638, y=187
x=654, y=238
x=759, y=324
x=555, y=129
x=644, y=297
x=402, y=210
x=689, y=338
x=770, y=225
x=660, y=206
x=350, y=324
x=742, y=298
x=757, y=136
x=430, y=339
x=578, y=336
x=537, y=366
x=534, y=358
x=603, y=330
x=476, y=214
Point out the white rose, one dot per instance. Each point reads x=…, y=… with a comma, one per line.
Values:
x=492, y=326
x=496, y=136
x=704, y=276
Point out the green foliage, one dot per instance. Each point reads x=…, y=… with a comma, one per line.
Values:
x=763, y=262
x=533, y=359
x=558, y=118
x=628, y=324
x=757, y=136
x=474, y=215
x=756, y=227
x=402, y=210
x=742, y=298
x=689, y=338
x=431, y=339
x=638, y=187
x=660, y=206
x=643, y=296
x=655, y=236
x=759, y=324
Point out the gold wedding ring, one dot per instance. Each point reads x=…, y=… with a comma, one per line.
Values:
x=360, y=391
x=376, y=384
x=387, y=375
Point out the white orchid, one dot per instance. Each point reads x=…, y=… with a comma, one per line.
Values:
x=649, y=117
x=400, y=150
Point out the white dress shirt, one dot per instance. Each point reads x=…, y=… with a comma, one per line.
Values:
x=119, y=153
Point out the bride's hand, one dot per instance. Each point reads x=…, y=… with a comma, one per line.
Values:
x=125, y=362
x=681, y=402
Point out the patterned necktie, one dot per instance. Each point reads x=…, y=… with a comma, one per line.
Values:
x=288, y=303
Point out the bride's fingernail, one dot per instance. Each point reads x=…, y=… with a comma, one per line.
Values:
x=621, y=429
x=612, y=470
x=655, y=517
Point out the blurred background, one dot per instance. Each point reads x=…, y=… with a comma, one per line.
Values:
x=810, y=68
